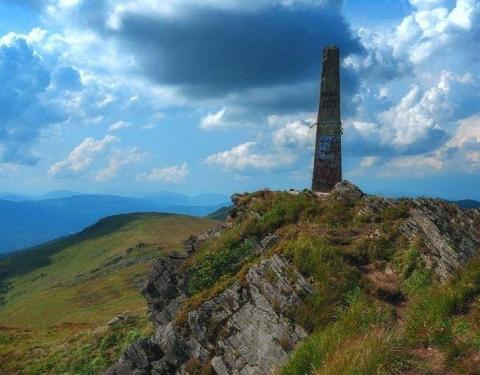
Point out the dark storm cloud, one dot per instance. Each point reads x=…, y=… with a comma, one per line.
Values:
x=212, y=52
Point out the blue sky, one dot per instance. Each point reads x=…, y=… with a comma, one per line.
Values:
x=129, y=97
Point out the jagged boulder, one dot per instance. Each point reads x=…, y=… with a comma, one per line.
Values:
x=163, y=290
x=247, y=326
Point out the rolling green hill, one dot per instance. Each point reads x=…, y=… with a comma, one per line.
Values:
x=56, y=299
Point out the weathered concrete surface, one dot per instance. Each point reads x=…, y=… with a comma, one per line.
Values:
x=327, y=169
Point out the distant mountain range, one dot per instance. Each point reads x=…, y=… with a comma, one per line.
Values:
x=467, y=203
x=30, y=220
x=25, y=197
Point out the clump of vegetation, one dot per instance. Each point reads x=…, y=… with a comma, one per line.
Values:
x=341, y=345
x=333, y=279
x=278, y=210
x=433, y=309
x=370, y=249
x=264, y=213
x=211, y=266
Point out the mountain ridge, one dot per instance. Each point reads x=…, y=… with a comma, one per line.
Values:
x=28, y=223
x=304, y=283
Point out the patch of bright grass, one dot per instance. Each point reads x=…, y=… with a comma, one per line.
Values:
x=340, y=342
x=213, y=265
x=441, y=315
x=333, y=279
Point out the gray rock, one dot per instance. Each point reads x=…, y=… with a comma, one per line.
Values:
x=269, y=241
x=137, y=358
x=450, y=234
x=247, y=326
x=246, y=329
x=347, y=191
x=162, y=289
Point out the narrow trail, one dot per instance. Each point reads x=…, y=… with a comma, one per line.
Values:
x=387, y=288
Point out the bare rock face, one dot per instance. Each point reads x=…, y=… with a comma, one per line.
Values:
x=246, y=329
x=450, y=234
x=248, y=324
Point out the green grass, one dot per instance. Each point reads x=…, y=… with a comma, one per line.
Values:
x=343, y=249
x=77, y=284
x=341, y=347
x=213, y=265
x=333, y=279
x=221, y=214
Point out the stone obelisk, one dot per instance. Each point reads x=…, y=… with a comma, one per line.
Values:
x=327, y=166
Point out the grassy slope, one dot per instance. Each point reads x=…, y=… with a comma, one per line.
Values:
x=221, y=214
x=66, y=290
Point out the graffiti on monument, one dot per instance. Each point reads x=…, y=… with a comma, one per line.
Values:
x=325, y=147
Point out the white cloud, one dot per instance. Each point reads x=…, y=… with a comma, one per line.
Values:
x=245, y=156
x=226, y=118
x=175, y=174
x=118, y=126
x=417, y=163
x=468, y=132
x=116, y=161
x=474, y=157
x=369, y=161
x=149, y=126
x=7, y=169
x=426, y=4
x=274, y=149
x=434, y=28
x=296, y=134
x=214, y=120
x=82, y=156
x=419, y=122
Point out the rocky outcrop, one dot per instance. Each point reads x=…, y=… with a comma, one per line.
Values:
x=451, y=235
x=246, y=329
